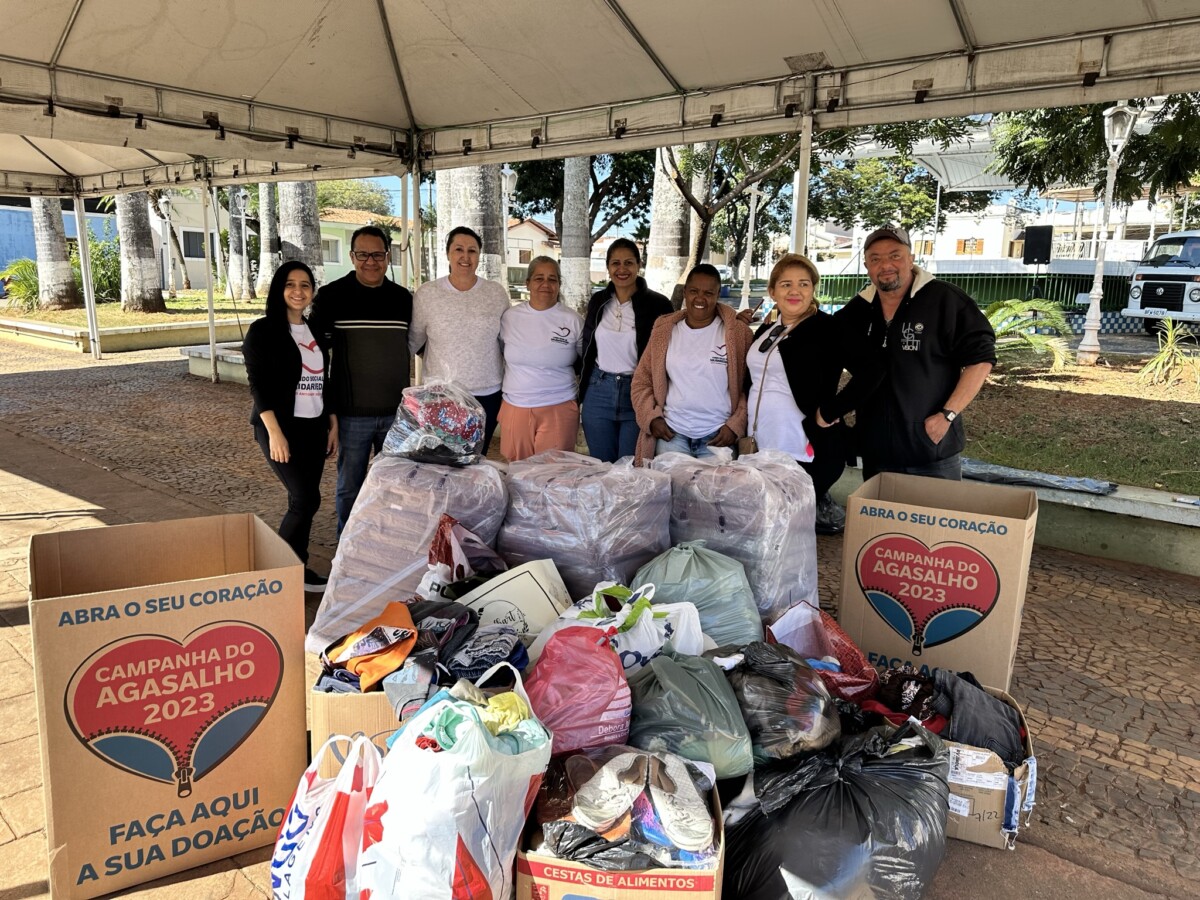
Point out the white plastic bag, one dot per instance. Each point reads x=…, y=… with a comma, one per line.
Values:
x=445, y=825
x=637, y=629
x=316, y=853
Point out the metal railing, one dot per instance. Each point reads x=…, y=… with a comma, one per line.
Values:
x=989, y=288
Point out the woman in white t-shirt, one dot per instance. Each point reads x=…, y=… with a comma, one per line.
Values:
x=456, y=326
x=687, y=389
x=541, y=342
x=288, y=371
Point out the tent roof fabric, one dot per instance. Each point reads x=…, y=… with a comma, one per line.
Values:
x=249, y=90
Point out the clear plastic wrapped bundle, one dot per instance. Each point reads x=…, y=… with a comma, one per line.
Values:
x=384, y=549
x=760, y=510
x=598, y=521
x=438, y=422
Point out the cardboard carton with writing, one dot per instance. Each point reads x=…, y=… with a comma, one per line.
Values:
x=986, y=804
x=541, y=877
x=934, y=573
x=370, y=714
x=169, y=666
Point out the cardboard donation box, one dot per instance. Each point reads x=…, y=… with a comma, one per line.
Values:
x=169, y=666
x=350, y=714
x=542, y=877
x=934, y=573
x=986, y=804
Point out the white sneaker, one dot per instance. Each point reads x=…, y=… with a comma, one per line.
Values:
x=610, y=793
x=685, y=817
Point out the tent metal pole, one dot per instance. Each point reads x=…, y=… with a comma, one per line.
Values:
x=85, y=269
x=418, y=235
x=208, y=280
x=800, y=187
x=405, y=234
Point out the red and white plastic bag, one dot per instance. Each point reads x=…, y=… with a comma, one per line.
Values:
x=316, y=853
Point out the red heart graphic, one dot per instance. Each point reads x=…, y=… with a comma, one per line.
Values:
x=171, y=711
x=927, y=595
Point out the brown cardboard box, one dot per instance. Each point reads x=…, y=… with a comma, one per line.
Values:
x=934, y=573
x=979, y=789
x=169, y=666
x=542, y=877
x=349, y=714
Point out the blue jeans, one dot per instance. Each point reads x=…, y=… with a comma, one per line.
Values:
x=609, y=426
x=357, y=437
x=681, y=443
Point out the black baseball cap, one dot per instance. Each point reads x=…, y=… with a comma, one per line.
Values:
x=895, y=233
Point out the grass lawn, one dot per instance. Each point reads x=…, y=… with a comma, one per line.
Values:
x=189, y=306
x=1099, y=422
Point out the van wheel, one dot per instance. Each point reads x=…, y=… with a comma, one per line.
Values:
x=1152, y=326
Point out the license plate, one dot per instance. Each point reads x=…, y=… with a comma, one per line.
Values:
x=1156, y=312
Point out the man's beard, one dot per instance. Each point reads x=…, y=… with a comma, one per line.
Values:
x=891, y=284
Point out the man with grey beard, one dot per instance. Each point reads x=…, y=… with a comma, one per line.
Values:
x=928, y=348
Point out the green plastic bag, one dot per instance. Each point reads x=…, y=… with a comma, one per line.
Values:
x=714, y=583
x=684, y=704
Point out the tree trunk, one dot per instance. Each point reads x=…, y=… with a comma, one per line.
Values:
x=576, y=234
x=141, y=281
x=470, y=196
x=57, y=288
x=268, y=236
x=700, y=225
x=178, y=260
x=666, y=255
x=300, y=225
x=237, y=254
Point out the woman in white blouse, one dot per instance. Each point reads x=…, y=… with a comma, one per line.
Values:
x=541, y=340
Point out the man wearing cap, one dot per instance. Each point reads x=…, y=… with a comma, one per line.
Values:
x=928, y=347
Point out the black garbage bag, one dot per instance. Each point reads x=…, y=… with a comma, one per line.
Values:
x=866, y=820
x=570, y=840
x=785, y=704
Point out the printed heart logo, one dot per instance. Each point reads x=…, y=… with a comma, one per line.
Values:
x=170, y=710
x=927, y=595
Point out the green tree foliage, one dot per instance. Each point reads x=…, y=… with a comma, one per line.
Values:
x=887, y=190
x=619, y=193
x=354, y=193
x=105, y=256
x=1039, y=149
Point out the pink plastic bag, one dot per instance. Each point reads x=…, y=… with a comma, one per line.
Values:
x=578, y=690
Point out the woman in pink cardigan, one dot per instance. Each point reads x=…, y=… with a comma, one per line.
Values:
x=687, y=389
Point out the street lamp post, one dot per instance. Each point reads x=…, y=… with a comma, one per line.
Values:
x=508, y=187
x=1118, y=126
x=754, y=193
x=164, y=207
x=244, y=197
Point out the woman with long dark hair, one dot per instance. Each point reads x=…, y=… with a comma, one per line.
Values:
x=616, y=330
x=288, y=371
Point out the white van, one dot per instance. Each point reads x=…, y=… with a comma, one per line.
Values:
x=1166, y=284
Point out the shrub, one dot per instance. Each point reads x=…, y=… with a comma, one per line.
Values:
x=1037, y=325
x=1174, y=358
x=22, y=283
x=105, y=255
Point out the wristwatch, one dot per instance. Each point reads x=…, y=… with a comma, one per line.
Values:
x=950, y=415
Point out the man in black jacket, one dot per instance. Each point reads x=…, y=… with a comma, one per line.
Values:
x=366, y=318
x=931, y=349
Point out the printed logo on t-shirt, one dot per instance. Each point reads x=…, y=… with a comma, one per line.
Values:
x=910, y=336
x=562, y=335
x=311, y=347
x=720, y=356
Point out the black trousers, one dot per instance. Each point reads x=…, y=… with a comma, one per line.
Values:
x=824, y=470
x=491, y=411
x=301, y=475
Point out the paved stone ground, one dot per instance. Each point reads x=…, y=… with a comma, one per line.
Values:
x=1106, y=665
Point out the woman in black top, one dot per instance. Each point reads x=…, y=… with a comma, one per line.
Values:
x=615, y=332
x=794, y=366
x=288, y=371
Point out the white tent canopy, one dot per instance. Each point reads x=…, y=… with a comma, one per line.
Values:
x=109, y=95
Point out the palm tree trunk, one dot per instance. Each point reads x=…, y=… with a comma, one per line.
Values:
x=470, y=196
x=268, y=236
x=300, y=225
x=666, y=256
x=57, y=288
x=141, y=283
x=237, y=255
x=177, y=258
x=576, y=233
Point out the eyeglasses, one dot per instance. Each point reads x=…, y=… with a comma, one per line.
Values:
x=772, y=338
x=363, y=255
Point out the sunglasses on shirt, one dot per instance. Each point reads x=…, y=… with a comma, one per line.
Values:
x=772, y=338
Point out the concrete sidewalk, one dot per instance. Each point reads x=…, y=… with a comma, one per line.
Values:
x=1106, y=666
